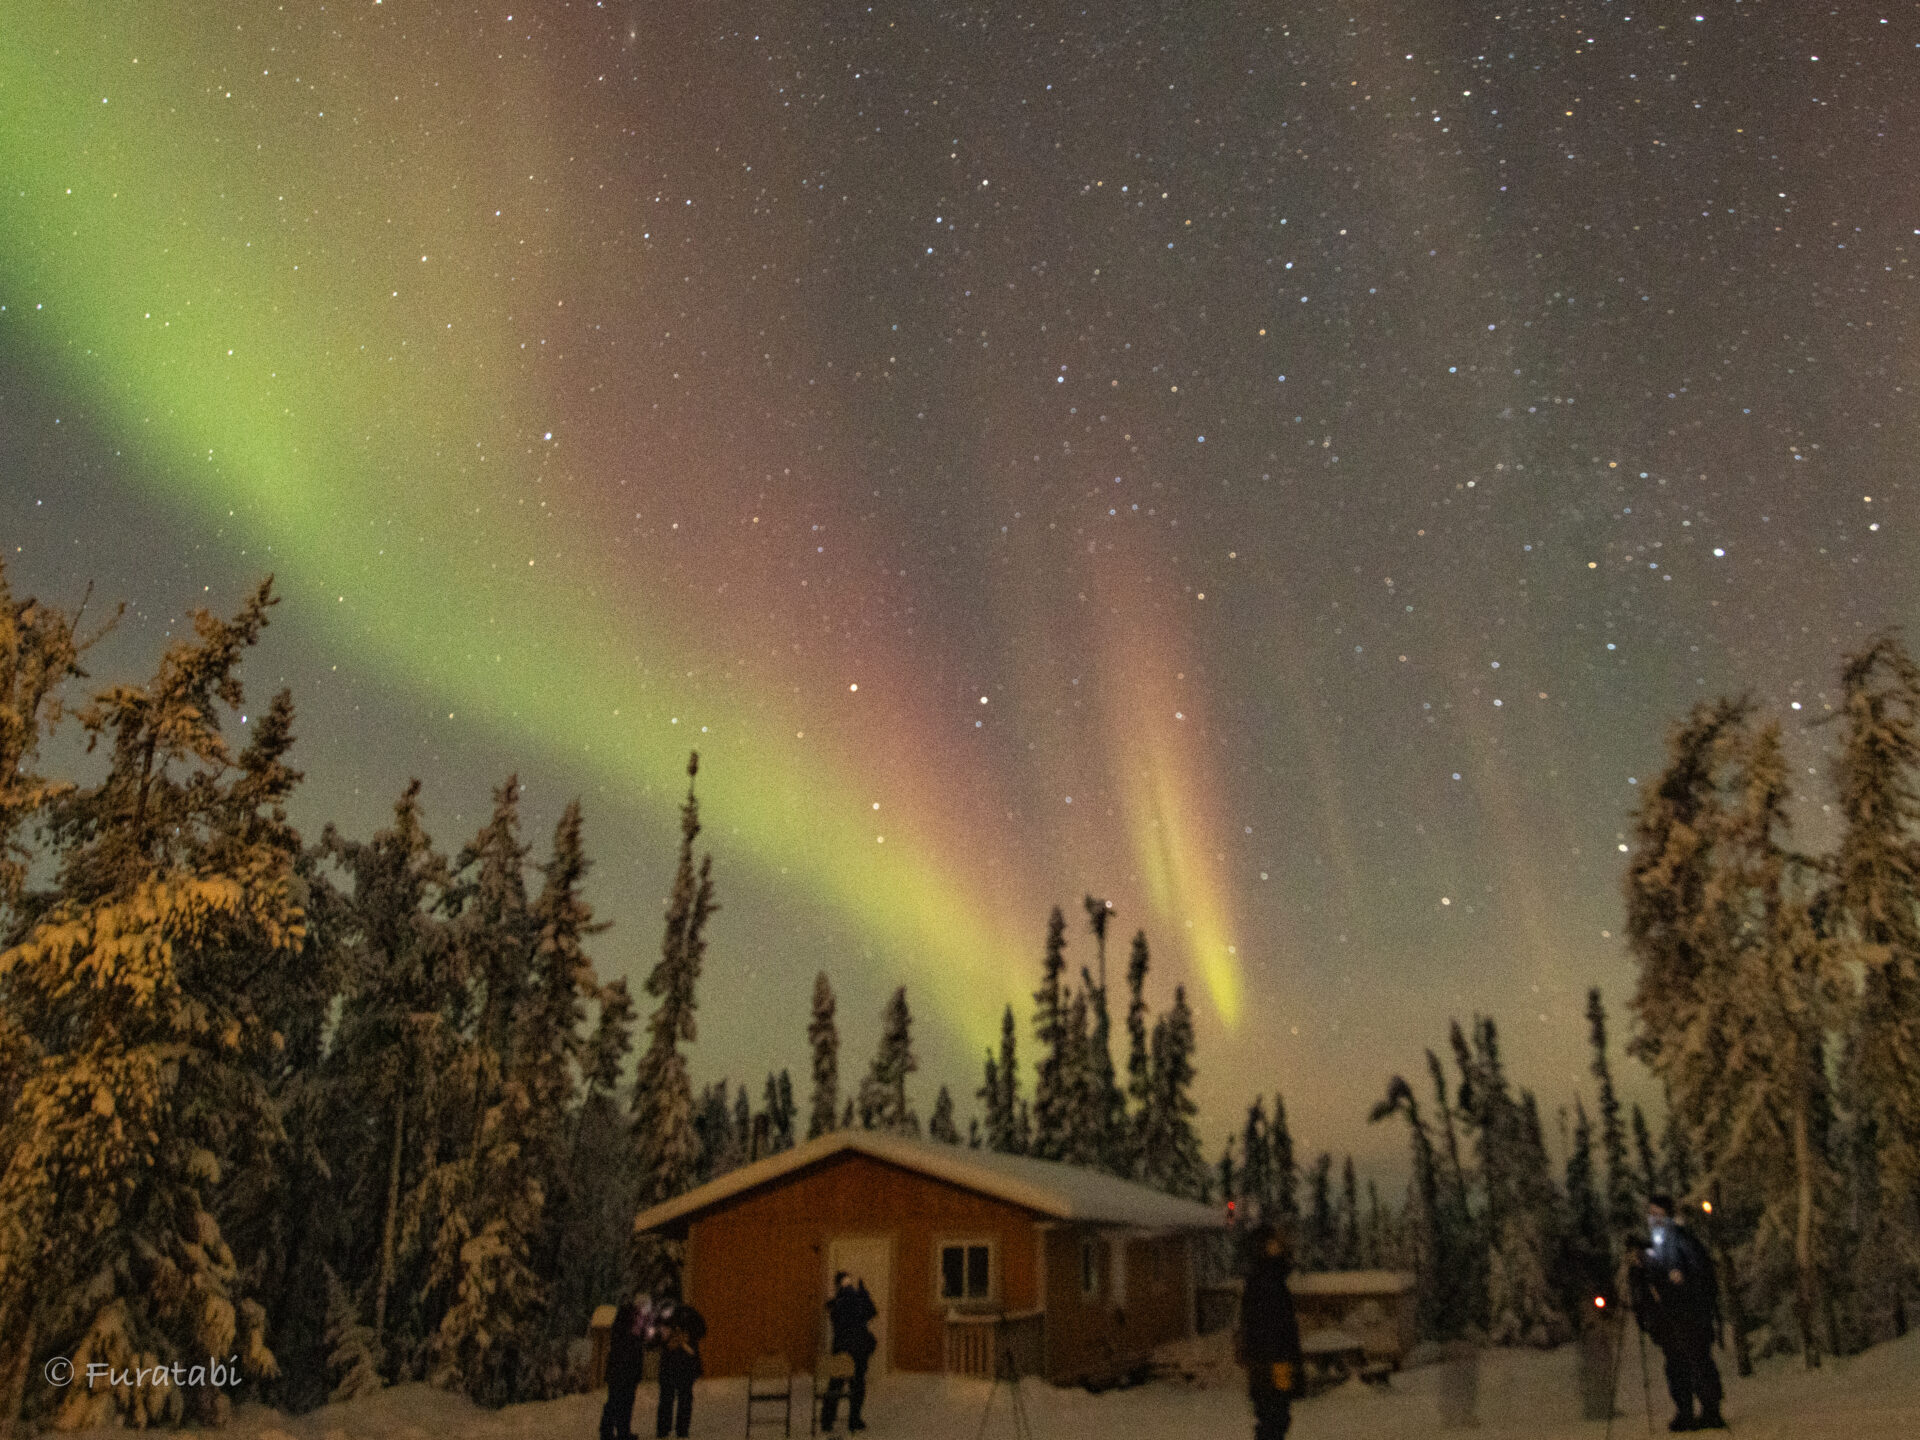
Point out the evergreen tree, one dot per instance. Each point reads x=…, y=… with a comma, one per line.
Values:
x=1111, y=1103
x=1226, y=1178
x=1256, y=1163
x=1648, y=1172
x=1001, y=1092
x=663, y=1135
x=1438, y=1244
x=351, y=1367
x=824, y=1036
x=392, y=1072
x=1738, y=1035
x=941, y=1126
x=1588, y=1267
x=883, y=1094
x=1877, y=895
x=1086, y=1134
x=40, y=651
x=777, y=1115
x=1322, y=1247
x=1349, y=1254
x=498, y=1338
x=1053, y=1077
x=742, y=1128
x=135, y=1035
x=1286, y=1175
x=1622, y=1211
x=1173, y=1159
x=1139, y=1061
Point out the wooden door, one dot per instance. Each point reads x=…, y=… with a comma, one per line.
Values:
x=869, y=1258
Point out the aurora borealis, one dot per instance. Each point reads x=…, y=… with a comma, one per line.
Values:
x=1278, y=467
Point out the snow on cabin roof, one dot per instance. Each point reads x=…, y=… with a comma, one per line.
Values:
x=1062, y=1192
x=1351, y=1282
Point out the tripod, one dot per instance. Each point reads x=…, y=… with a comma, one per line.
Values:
x=1613, y=1385
x=1006, y=1370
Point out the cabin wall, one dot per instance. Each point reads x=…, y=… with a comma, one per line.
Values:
x=756, y=1265
x=1141, y=1298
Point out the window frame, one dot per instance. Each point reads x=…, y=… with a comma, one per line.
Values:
x=965, y=1243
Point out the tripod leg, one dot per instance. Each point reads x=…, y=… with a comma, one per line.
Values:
x=1613, y=1372
x=1646, y=1382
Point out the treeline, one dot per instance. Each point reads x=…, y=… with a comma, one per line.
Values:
x=1506, y=1249
x=353, y=1112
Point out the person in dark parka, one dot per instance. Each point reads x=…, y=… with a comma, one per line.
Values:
x=850, y=1312
x=1677, y=1297
x=678, y=1330
x=1269, y=1338
x=626, y=1356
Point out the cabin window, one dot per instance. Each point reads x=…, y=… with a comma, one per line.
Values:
x=1089, y=1267
x=966, y=1271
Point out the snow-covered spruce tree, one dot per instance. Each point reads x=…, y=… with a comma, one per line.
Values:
x=386, y=1070
x=39, y=652
x=784, y=1112
x=1646, y=1166
x=1256, y=1163
x=1740, y=1037
x=1286, y=1175
x=1519, y=1223
x=941, y=1126
x=501, y=1339
x=352, y=1369
x=1173, y=1159
x=998, y=1123
x=131, y=990
x=777, y=1113
x=1877, y=890
x=1139, y=1059
x=1623, y=1209
x=1587, y=1264
x=485, y=1202
x=1086, y=1134
x=883, y=1093
x=1348, y=1257
x=742, y=1125
x=720, y=1147
x=1319, y=1247
x=1053, y=1076
x=824, y=1036
x=38, y=655
x=1000, y=1095
x=593, y=1249
x=1112, y=1103
x=664, y=1142
x=1441, y=1300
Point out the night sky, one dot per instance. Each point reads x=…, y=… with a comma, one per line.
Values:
x=1280, y=467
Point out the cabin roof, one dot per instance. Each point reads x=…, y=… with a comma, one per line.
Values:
x=1046, y=1187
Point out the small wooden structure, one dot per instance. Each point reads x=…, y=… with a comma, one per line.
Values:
x=1368, y=1310
x=969, y=1255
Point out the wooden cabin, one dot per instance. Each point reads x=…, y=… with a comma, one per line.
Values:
x=1374, y=1308
x=971, y=1257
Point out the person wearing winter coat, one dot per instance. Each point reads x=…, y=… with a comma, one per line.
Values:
x=851, y=1313
x=626, y=1357
x=1677, y=1297
x=1268, y=1341
x=678, y=1329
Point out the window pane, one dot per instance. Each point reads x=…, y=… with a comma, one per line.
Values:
x=978, y=1287
x=952, y=1265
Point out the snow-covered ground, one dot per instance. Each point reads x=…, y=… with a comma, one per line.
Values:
x=1875, y=1396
